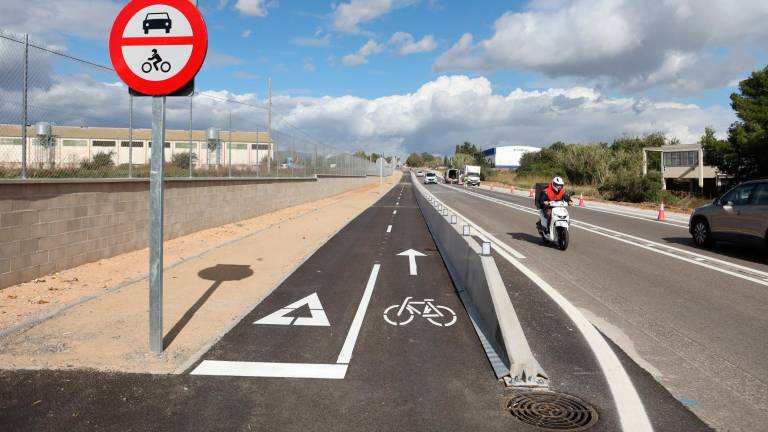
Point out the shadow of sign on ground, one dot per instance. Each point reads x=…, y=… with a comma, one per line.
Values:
x=218, y=274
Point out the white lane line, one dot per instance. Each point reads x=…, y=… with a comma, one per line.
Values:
x=272, y=370
x=629, y=406
x=389, y=229
x=349, y=343
x=394, y=212
x=298, y=370
x=652, y=246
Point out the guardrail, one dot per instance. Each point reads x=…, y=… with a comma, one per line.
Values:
x=479, y=284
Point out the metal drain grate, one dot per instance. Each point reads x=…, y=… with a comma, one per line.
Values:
x=552, y=411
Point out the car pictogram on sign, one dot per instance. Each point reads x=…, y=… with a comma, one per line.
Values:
x=157, y=21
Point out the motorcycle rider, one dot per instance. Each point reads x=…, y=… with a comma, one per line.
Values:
x=555, y=191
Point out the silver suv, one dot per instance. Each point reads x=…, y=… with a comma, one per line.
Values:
x=739, y=215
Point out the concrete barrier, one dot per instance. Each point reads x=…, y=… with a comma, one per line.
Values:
x=51, y=225
x=483, y=293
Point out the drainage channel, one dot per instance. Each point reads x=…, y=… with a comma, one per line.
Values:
x=551, y=411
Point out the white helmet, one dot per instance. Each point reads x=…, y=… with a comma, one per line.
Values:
x=558, y=181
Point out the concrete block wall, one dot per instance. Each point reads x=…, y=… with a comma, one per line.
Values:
x=48, y=226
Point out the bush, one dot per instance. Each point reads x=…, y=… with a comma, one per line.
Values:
x=181, y=160
x=100, y=161
x=630, y=187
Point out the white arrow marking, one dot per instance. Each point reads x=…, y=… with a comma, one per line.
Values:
x=318, y=318
x=412, y=254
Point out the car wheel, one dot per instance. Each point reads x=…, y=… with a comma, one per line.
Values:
x=701, y=234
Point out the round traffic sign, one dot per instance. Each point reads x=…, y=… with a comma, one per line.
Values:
x=158, y=46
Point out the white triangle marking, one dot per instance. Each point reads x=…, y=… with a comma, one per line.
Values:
x=318, y=318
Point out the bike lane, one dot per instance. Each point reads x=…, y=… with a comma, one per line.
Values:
x=416, y=376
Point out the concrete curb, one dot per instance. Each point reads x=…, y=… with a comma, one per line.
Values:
x=484, y=295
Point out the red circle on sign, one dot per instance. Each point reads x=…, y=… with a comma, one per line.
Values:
x=186, y=74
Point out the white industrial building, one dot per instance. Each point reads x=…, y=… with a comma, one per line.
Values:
x=507, y=156
x=66, y=146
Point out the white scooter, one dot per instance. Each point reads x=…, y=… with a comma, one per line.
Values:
x=559, y=224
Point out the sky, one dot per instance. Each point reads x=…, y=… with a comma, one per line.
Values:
x=398, y=76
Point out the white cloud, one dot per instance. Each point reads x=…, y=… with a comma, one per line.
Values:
x=309, y=66
x=438, y=115
x=246, y=34
x=361, y=56
x=452, y=109
x=83, y=18
x=216, y=59
x=624, y=41
x=243, y=75
x=255, y=8
x=347, y=17
x=406, y=44
x=313, y=41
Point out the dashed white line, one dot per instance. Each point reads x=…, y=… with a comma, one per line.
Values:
x=389, y=229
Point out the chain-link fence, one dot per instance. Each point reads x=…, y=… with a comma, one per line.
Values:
x=81, y=122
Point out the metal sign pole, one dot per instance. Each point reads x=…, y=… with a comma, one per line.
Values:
x=189, y=155
x=130, y=135
x=156, y=226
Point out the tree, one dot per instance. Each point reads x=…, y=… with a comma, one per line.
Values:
x=745, y=154
x=461, y=160
x=415, y=160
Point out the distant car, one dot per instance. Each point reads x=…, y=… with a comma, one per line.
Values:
x=419, y=173
x=739, y=215
x=430, y=177
x=157, y=21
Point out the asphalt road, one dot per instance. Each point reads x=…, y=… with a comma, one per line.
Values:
x=324, y=351
x=694, y=318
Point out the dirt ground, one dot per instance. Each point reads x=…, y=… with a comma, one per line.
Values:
x=212, y=279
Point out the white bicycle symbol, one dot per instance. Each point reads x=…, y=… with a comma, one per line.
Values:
x=440, y=316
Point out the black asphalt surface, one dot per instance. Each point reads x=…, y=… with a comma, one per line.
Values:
x=696, y=325
x=400, y=378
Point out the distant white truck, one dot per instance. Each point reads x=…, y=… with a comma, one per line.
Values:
x=472, y=175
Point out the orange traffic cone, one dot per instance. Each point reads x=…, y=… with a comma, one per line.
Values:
x=661, y=216
x=530, y=193
x=581, y=200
